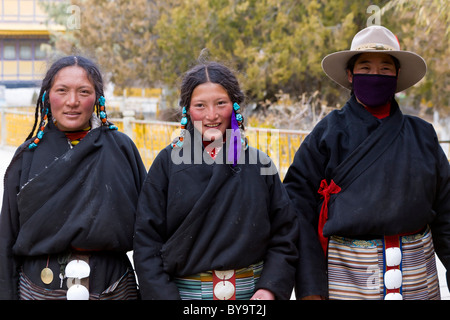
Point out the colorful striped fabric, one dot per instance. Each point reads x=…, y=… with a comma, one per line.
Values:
x=200, y=286
x=355, y=268
x=123, y=289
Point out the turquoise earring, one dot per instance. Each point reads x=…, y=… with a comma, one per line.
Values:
x=40, y=134
x=184, y=122
x=102, y=113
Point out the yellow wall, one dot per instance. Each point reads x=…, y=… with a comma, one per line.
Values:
x=23, y=70
x=151, y=137
x=9, y=70
x=26, y=70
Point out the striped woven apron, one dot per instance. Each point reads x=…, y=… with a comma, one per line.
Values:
x=123, y=289
x=357, y=268
x=220, y=285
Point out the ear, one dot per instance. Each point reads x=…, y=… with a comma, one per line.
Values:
x=349, y=76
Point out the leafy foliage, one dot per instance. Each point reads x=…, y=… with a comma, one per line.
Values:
x=275, y=45
x=424, y=27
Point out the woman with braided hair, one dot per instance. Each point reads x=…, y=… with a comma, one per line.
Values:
x=213, y=220
x=70, y=196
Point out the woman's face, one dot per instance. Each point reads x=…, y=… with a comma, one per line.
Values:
x=373, y=63
x=72, y=99
x=211, y=110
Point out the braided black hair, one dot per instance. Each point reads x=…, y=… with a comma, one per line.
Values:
x=210, y=72
x=213, y=72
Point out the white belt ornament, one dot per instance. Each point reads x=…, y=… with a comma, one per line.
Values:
x=392, y=268
x=224, y=285
x=76, y=270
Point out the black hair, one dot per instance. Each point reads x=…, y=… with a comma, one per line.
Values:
x=93, y=73
x=213, y=72
x=210, y=72
x=351, y=62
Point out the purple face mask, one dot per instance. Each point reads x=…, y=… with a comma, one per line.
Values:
x=374, y=90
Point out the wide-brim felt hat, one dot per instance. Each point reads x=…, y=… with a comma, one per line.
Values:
x=376, y=39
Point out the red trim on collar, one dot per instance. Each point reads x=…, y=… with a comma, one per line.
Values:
x=380, y=112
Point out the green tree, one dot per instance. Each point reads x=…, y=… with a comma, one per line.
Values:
x=118, y=34
x=275, y=45
x=423, y=27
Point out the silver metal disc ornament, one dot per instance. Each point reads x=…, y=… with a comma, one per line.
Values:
x=77, y=292
x=78, y=269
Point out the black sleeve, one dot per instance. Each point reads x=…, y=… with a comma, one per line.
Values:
x=9, y=229
x=302, y=182
x=150, y=234
x=280, y=260
x=440, y=228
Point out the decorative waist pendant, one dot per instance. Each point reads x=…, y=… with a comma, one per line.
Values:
x=47, y=275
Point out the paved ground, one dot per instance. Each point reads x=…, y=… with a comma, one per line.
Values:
x=6, y=154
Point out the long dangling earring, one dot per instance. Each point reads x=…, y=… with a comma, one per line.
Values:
x=236, y=146
x=40, y=134
x=240, y=121
x=184, y=121
x=102, y=114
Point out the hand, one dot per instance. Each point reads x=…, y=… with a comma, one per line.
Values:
x=263, y=294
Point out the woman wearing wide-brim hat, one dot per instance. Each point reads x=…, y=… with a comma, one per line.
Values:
x=371, y=185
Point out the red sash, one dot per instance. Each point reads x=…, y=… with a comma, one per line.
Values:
x=326, y=191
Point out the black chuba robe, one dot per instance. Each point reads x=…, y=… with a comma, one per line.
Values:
x=58, y=198
x=202, y=215
x=393, y=178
